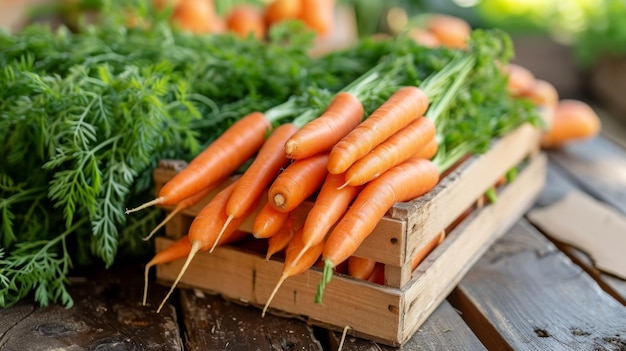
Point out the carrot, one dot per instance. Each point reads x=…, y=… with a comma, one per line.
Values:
x=378, y=275
x=424, y=37
x=175, y=251
x=279, y=241
x=541, y=93
x=197, y=16
x=318, y=15
x=330, y=204
x=451, y=31
x=403, y=182
x=183, y=205
x=573, y=120
x=203, y=233
x=429, y=150
x=263, y=170
x=297, y=182
x=396, y=149
x=245, y=19
x=344, y=112
x=227, y=153
x=520, y=79
x=427, y=249
x=281, y=10
x=268, y=221
x=290, y=269
x=404, y=106
x=360, y=268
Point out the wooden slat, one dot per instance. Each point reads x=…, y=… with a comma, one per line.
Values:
x=107, y=315
x=444, y=330
x=524, y=294
x=212, y=323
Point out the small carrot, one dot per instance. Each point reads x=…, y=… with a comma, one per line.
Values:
x=429, y=150
x=268, y=221
x=318, y=15
x=281, y=239
x=281, y=10
x=260, y=174
x=245, y=20
x=293, y=249
x=378, y=275
x=404, y=106
x=573, y=120
x=403, y=182
x=197, y=16
x=451, y=31
x=399, y=147
x=227, y=153
x=297, y=182
x=360, y=268
x=204, y=230
x=344, y=112
x=330, y=204
x=541, y=93
x=427, y=249
x=520, y=79
x=424, y=37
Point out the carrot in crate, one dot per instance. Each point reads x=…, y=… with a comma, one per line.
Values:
x=360, y=268
x=520, y=79
x=573, y=120
x=451, y=31
x=429, y=150
x=245, y=20
x=281, y=239
x=268, y=221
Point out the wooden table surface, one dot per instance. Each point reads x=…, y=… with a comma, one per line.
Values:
x=526, y=293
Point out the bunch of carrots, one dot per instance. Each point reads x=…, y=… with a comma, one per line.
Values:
x=353, y=163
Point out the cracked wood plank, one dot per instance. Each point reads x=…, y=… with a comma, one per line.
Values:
x=525, y=294
x=213, y=323
x=107, y=315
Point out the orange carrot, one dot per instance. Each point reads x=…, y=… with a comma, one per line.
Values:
x=297, y=182
x=378, y=275
x=403, y=182
x=573, y=120
x=404, y=106
x=344, y=112
x=268, y=221
x=429, y=150
x=360, y=268
x=227, y=153
x=541, y=93
x=175, y=251
x=427, y=249
x=204, y=230
x=263, y=170
x=197, y=16
x=281, y=10
x=281, y=239
x=330, y=204
x=424, y=37
x=318, y=15
x=520, y=79
x=245, y=19
x=290, y=269
x=451, y=31
x=396, y=149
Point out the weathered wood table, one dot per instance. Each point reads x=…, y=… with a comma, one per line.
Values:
x=526, y=293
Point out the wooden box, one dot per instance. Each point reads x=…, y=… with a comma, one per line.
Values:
x=393, y=312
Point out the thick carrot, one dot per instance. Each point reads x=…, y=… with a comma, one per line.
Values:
x=293, y=249
x=203, y=233
x=573, y=120
x=330, y=204
x=451, y=31
x=281, y=239
x=260, y=174
x=297, y=182
x=246, y=19
x=268, y=221
x=429, y=150
x=227, y=153
x=344, y=112
x=399, y=147
x=520, y=79
x=197, y=16
x=175, y=251
x=403, y=182
x=318, y=15
x=404, y=106
x=541, y=93
x=360, y=268
x=281, y=10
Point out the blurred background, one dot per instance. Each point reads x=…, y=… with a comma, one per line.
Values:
x=577, y=45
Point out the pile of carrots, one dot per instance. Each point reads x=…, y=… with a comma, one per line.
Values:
x=201, y=16
x=353, y=166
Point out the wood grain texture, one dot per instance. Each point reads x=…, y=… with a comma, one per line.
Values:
x=107, y=315
x=524, y=294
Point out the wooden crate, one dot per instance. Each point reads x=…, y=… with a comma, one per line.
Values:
x=389, y=313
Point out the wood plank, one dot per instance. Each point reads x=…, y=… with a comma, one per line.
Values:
x=107, y=315
x=557, y=185
x=213, y=323
x=444, y=330
x=598, y=166
x=524, y=294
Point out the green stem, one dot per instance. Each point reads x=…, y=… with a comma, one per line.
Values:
x=327, y=275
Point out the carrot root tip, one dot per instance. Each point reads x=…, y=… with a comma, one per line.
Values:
x=279, y=200
x=157, y=201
